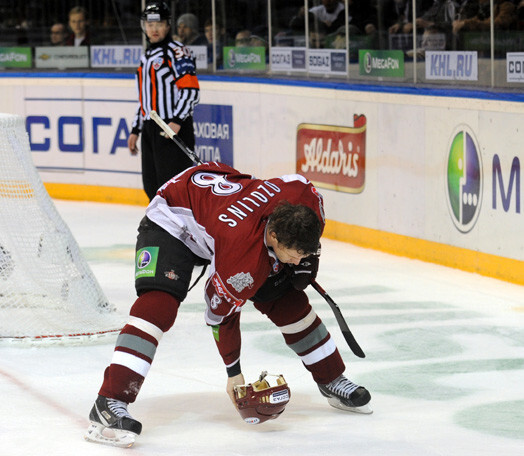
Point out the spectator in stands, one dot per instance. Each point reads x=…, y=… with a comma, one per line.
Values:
x=474, y=16
x=79, y=25
x=337, y=40
x=58, y=34
x=258, y=41
x=243, y=38
x=187, y=31
x=362, y=22
x=435, y=25
x=317, y=35
x=397, y=15
x=219, y=42
x=439, y=16
x=330, y=13
x=520, y=15
x=362, y=16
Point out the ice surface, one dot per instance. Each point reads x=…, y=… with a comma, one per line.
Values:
x=444, y=365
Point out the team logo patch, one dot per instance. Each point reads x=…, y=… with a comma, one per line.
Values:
x=145, y=264
x=240, y=281
x=157, y=63
x=171, y=275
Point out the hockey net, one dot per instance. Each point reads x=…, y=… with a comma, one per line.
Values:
x=48, y=293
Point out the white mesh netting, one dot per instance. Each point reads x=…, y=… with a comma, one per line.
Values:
x=48, y=294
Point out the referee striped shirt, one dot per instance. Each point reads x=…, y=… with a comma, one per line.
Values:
x=167, y=83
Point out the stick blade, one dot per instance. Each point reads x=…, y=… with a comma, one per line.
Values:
x=353, y=344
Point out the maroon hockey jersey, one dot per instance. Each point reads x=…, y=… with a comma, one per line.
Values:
x=221, y=215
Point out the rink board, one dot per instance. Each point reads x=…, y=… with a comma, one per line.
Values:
x=431, y=177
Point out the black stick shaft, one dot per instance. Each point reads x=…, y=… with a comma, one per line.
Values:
x=350, y=339
x=174, y=137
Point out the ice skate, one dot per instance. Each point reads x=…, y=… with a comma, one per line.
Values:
x=111, y=423
x=345, y=395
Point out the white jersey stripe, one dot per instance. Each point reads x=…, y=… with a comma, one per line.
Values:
x=132, y=362
x=300, y=325
x=320, y=353
x=147, y=327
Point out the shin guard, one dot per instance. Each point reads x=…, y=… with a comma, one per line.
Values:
x=153, y=313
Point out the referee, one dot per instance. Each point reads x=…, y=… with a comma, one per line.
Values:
x=167, y=84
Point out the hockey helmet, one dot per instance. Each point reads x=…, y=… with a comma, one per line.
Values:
x=258, y=402
x=156, y=12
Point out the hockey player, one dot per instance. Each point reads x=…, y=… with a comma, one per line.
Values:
x=260, y=239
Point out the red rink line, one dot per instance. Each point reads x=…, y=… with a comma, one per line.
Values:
x=44, y=399
x=81, y=422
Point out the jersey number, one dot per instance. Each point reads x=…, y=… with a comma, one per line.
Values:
x=182, y=52
x=217, y=182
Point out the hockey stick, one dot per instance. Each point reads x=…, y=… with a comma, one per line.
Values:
x=350, y=339
x=169, y=132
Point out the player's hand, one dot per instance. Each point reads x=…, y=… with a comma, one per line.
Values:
x=131, y=143
x=304, y=272
x=231, y=383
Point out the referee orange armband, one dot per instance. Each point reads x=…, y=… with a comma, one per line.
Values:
x=188, y=81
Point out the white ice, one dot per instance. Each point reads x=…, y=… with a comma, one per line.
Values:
x=444, y=364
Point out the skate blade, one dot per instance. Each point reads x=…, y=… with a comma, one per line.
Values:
x=364, y=409
x=98, y=433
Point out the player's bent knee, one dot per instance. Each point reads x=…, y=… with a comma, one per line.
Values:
x=157, y=307
x=287, y=309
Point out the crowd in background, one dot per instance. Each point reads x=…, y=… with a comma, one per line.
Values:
x=376, y=24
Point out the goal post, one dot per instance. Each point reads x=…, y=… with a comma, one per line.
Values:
x=48, y=293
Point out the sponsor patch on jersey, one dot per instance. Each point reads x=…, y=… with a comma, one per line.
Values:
x=157, y=63
x=145, y=263
x=240, y=281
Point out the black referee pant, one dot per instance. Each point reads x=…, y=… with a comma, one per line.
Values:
x=161, y=157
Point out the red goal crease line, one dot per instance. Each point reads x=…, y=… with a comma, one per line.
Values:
x=78, y=338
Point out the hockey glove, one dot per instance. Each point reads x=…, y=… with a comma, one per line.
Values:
x=303, y=273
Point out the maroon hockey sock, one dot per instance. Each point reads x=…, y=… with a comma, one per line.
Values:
x=305, y=334
x=156, y=307
x=328, y=369
x=153, y=313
